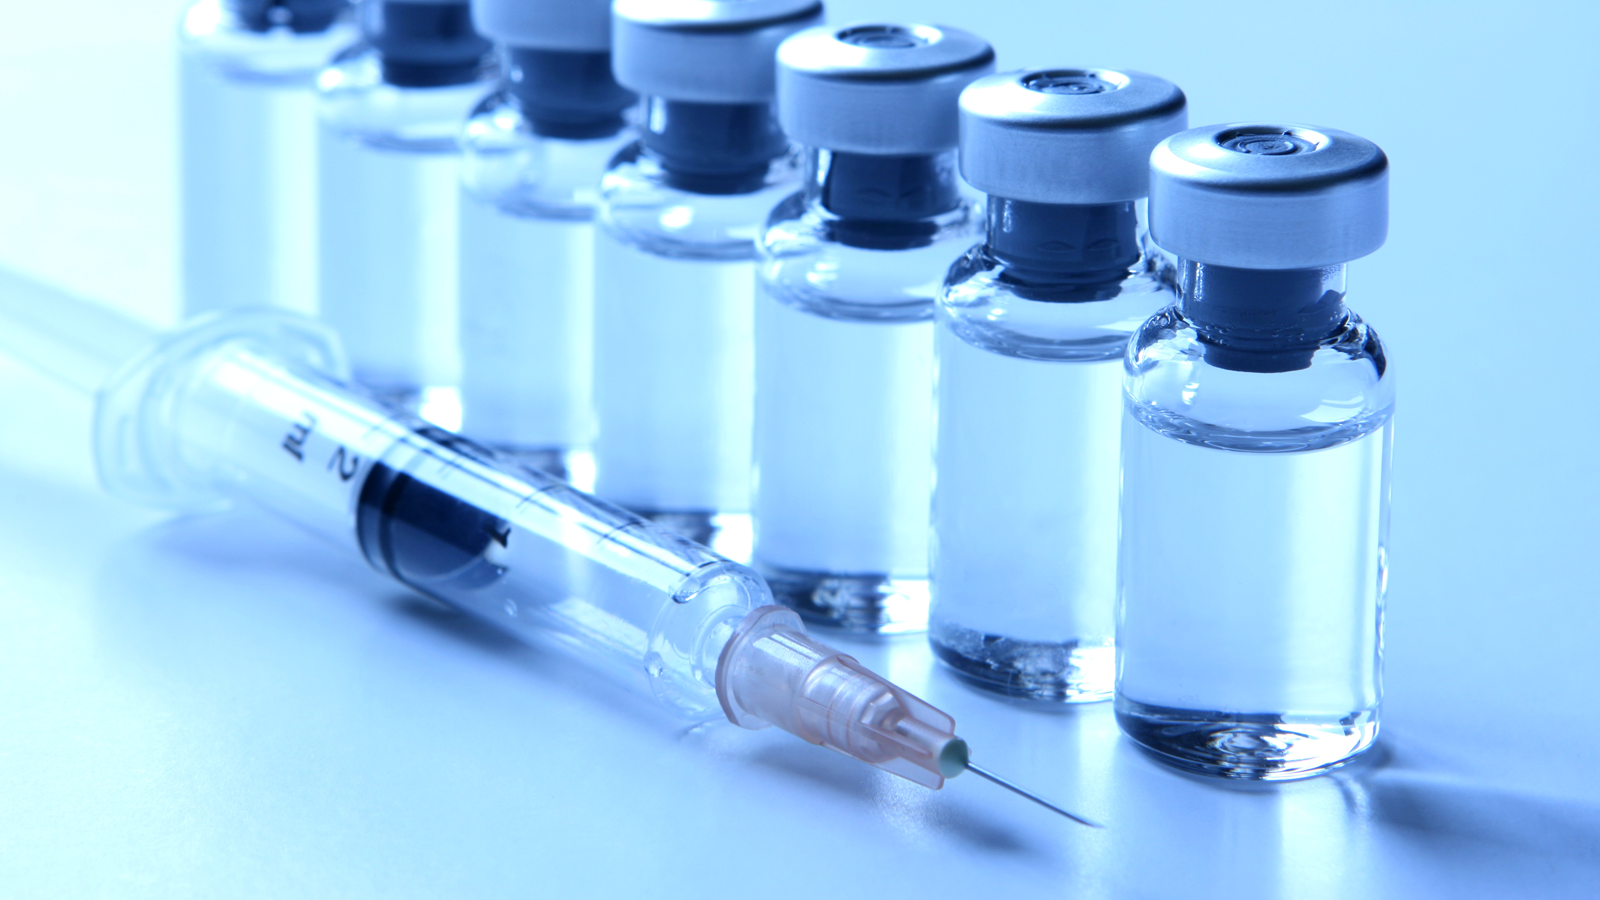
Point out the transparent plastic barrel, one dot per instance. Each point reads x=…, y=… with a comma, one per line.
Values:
x=252, y=416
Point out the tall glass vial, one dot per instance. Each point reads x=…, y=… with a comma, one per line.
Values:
x=247, y=114
x=844, y=318
x=1255, y=460
x=390, y=110
x=680, y=211
x=532, y=155
x=1033, y=323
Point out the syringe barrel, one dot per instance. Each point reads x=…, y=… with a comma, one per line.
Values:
x=252, y=406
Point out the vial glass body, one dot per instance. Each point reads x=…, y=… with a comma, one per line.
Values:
x=387, y=213
x=527, y=285
x=1029, y=425
x=1255, y=486
x=844, y=384
x=247, y=118
x=674, y=369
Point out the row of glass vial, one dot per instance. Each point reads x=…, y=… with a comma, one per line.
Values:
x=1252, y=430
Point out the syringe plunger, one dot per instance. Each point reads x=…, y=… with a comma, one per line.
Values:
x=772, y=673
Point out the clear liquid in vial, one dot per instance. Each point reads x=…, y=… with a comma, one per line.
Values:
x=1025, y=520
x=844, y=425
x=526, y=331
x=249, y=190
x=1251, y=599
x=388, y=267
x=674, y=391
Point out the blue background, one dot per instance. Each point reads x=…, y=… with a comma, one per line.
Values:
x=224, y=707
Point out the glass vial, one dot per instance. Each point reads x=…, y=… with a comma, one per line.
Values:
x=390, y=110
x=247, y=118
x=1033, y=324
x=1255, y=460
x=532, y=155
x=680, y=211
x=848, y=273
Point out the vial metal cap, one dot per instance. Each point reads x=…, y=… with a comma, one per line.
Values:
x=582, y=26
x=879, y=89
x=1269, y=196
x=1066, y=135
x=704, y=51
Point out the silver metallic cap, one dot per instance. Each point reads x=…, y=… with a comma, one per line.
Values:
x=1269, y=196
x=704, y=51
x=885, y=89
x=1066, y=135
x=576, y=25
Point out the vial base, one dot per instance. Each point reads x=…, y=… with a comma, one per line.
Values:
x=1038, y=671
x=405, y=398
x=1247, y=746
x=439, y=404
x=565, y=463
x=729, y=534
x=869, y=604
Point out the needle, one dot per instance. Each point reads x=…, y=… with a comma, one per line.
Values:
x=983, y=773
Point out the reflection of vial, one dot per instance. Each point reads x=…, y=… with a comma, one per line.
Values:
x=532, y=155
x=246, y=108
x=680, y=210
x=1255, y=460
x=844, y=317
x=390, y=113
x=1033, y=322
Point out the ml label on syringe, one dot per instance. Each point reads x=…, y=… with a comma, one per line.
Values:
x=344, y=462
x=308, y=448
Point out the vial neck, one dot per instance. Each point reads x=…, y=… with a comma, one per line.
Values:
x=424, y=45
x=299, y=16
x=713, y=148
x=566, y=94
x=883, y=202
x=1065, y=252
x=1261, y=320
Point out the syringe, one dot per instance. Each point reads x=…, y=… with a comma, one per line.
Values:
x=253, y=406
